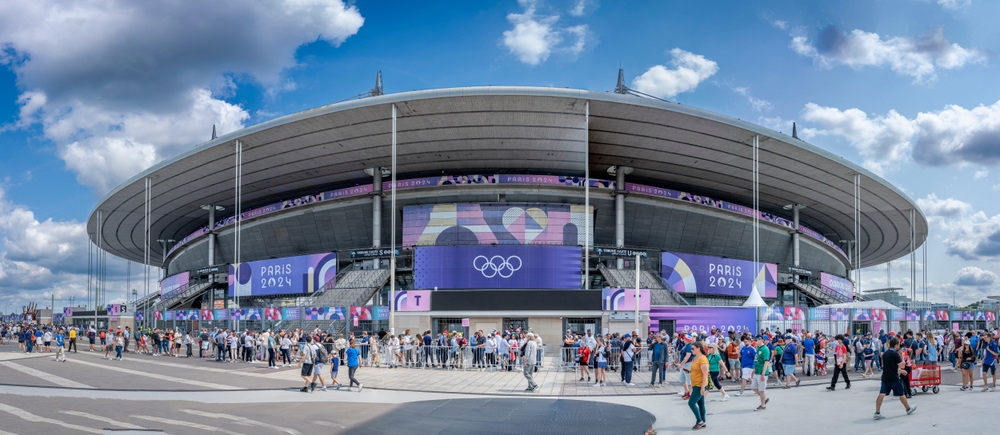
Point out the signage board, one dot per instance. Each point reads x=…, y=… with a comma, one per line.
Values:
x=690, y=273
x=303, y=274
x=497, y=267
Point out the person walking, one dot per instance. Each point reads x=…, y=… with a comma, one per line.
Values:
x=528, y=352
x=61, y=350
x=839, y=364
x=628, y=359
x=809, y=355
x=699, y=380
x=747, y=356
x=353, y=361
x=761, y=370
x=790, y=359
x=72, y=339
x=892, y=369
x=714, y=368
x=306, y=359
x=967, y=359
x=990, y=353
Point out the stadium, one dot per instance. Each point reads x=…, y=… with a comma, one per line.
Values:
x=514, y=206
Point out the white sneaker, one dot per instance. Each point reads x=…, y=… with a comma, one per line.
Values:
x=596, y=385
x=739, y=394
x=630, y=384
x=360, y=387
x=725, y=398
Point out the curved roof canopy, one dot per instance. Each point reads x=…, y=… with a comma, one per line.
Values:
x=509, y=129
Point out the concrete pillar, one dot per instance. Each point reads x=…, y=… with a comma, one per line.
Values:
x=795, y=236
x=376, y=207
x=211, y=235
x=620, y=172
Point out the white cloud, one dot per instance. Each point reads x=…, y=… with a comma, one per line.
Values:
x=982, y=173
x=581, y=7
x=535, y=37
x=119, y=86
x=954, y=4
x=932, y=206
x=756, y=103
x=971, y=276
x=780, y=24
x=883, y=141
x=688, y=71
x=917, y=58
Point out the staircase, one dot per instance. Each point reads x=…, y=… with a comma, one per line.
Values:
x=146, y=301
x=822, y=295
x=659, y=293
x=353, y=288
x=190, y=293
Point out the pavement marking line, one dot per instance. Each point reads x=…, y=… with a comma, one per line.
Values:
x=102, y=419
x=158, y=376
x=60, y=381
x=207, y=369
x=186, y=424
x=328, y=424
x=25, y=415
x=244, y=420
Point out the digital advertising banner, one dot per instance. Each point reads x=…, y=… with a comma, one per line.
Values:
x=291, y=313
x=413, y=300
x=690, y=273
x=935, y=316
x=174, y=284
x=784, y=313
x=615, y=299
x=499, y=223
x=361, y=313
x=303, y=274
x=68, y=312
x=703, y=318
x=840, y=285
x=140, y=316
x=497, y=267
x=324, y=313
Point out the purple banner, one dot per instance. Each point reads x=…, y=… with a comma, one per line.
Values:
x=291, y=313
x=615, y=299
x=68, y=312
x=784, y=313
x=174, y=284
x=139, y=316
x=840, y=314
x=324, y=313
x=935, y=315
x=497, y=267
x=303, y=274
x=501, y=223
x=221, y=314
x=862, y=314
x=689, y=273
x=413, y=300
x=699, y=318
x=837, y=284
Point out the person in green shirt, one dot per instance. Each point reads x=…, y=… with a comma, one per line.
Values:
x=714, y=358
x=779, y=349
x=761, y=369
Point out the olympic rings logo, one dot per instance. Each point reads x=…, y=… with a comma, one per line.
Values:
x=497, y=265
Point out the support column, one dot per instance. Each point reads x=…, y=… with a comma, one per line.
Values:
x=376, y=208
x=211, y=235
x=619, y=172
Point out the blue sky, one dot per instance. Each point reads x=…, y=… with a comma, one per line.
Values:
x=93, y=93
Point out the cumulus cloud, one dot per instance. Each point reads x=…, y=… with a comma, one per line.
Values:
x=953, y=135
x=535, y=37
x=581, y=7
x=982, y=173
x=918, y=58
x=756, y=103
x=956, y=135
x=780, y=24
x=119, y=86
x=972, y=276
x=932, y=206
x=688, y=71
x=883, y=141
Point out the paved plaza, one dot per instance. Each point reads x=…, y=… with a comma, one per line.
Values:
x=88, y=394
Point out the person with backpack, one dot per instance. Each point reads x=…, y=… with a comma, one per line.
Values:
x=321, y=359
x=308, y=356
x=628, y=359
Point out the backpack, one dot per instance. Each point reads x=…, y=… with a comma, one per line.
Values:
x=322, y=357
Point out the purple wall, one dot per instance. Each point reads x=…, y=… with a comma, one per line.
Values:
x=698, y=318
x=497, y=267
x=690, y=273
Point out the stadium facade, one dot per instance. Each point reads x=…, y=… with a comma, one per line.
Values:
x=492, y=212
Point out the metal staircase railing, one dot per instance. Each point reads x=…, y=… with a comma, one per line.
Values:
x=660, y=292
x=190, y=292
x=820, y=293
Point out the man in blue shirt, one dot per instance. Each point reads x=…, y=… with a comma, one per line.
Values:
x=747, y=355
x=809, y=354
x=789, y=359
x=991, y=351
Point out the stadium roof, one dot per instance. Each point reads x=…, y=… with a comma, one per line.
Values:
x=510, y=129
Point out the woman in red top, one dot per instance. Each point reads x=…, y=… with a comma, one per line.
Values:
x=584, y=354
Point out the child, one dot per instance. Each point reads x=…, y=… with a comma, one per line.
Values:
x=60, y=350
x=869, y=359
x=821, y=362
x=335, y=362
